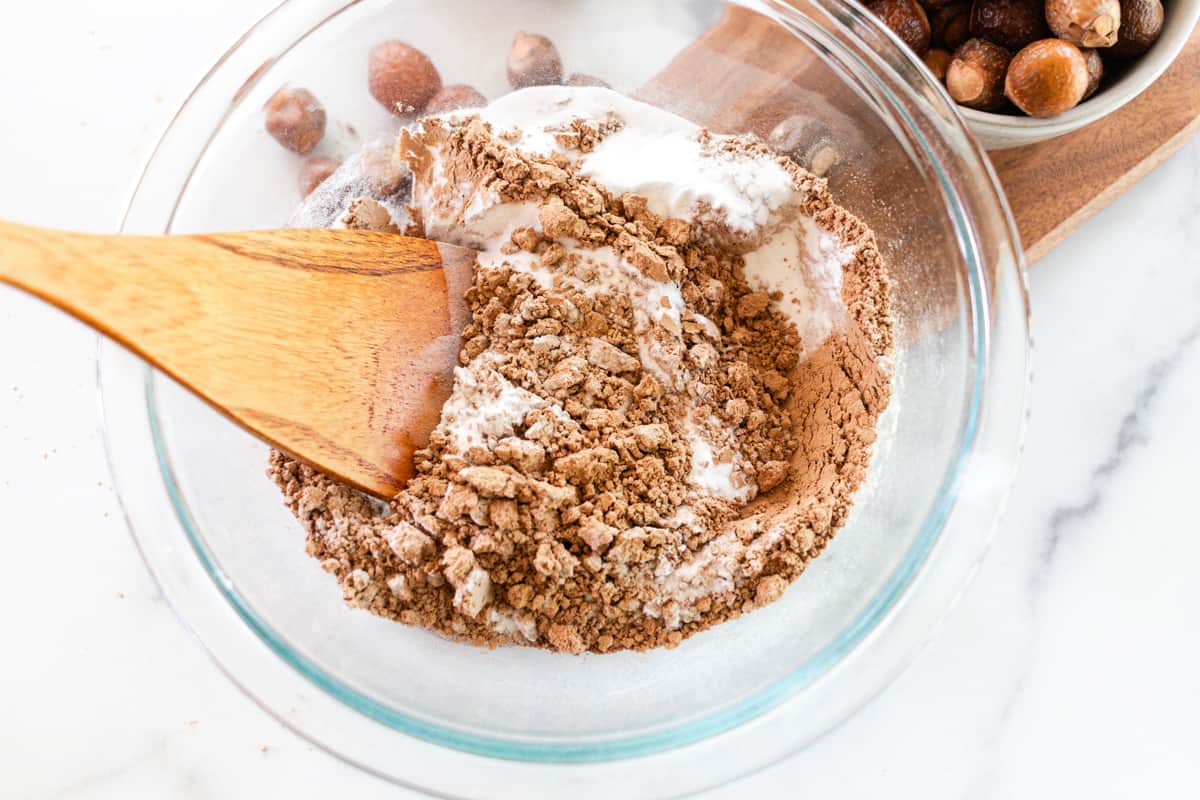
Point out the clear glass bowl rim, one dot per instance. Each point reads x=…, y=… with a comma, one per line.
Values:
x=770, y=697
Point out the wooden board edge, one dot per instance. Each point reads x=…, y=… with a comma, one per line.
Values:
x=1102, y=200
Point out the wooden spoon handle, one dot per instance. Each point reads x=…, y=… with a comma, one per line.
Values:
x=324, y=343
x=140, y=289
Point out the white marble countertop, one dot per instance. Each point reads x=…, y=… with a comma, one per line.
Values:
x=1071, y=668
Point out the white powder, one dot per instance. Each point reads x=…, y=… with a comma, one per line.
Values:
x=656, y=154
x=657, y=307
x=493, y=225
x=719, y=566
x=327, y=204
x=684, y=517
x=714, y=475
x=474, y=592
x=709, y=476
x=678, y=179
x=484, y=405
x=507, y=624
x=804, y=262
x=473, y=216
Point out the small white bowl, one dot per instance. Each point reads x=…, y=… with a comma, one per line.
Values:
x=999, y=131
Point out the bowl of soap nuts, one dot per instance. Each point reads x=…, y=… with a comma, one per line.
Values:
x=1023, y=71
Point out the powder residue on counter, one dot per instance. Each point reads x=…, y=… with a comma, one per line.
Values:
x=667, y=393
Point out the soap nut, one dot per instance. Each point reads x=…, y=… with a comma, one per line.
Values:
x=1012, y=24
x=1095, y=71
x=949, y=26
x=454, y=97
x=295, y=118
x=1141, y=23
x=314, y=170
x=906, y=19
x=975, y=75
x=580, y=79
x=1047, y=78
x=383, y=170
x=938, y=61
x=807, y=141
x=1087, y=23
x=401, y=77
x=533, y=61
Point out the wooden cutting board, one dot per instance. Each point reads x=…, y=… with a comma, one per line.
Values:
x=1054, y=186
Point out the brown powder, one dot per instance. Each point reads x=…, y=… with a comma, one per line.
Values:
x=578, y=527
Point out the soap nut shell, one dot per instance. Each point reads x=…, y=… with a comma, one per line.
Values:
x=454, y=97
x=938, y=61
x=533, y=61
x=1086, y=23
x=1047, y=77
x=296, y=119
x=975, y=76
x=1141, y=23
x=1012, y=24
x=907, y=19
x=401, y=77
x=314, y=170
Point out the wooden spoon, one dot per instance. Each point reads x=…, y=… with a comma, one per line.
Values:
x=336, y=346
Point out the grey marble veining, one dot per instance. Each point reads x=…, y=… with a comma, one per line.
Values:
x=1131, y=433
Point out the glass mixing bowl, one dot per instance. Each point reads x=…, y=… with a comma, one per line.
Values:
x=460, y=721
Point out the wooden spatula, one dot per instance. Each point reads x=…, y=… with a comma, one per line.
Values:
x=336, y=346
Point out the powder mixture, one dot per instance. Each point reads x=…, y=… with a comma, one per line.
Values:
x=668, y=391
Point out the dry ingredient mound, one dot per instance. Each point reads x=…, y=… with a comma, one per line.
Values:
x=640, y=443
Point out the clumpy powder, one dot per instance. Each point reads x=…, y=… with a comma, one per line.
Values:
x=667, y=394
